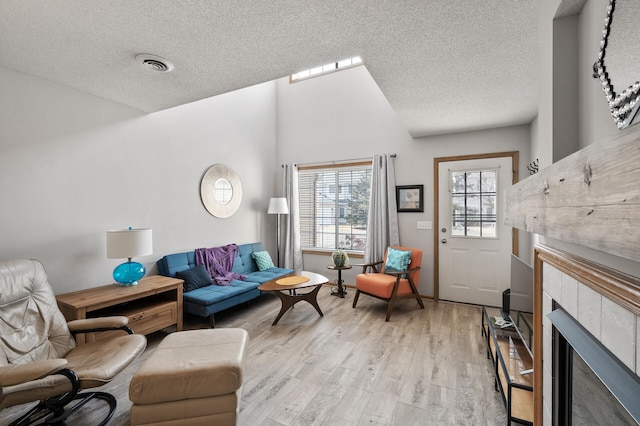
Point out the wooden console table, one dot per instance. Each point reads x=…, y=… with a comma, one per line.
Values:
x=153, y=304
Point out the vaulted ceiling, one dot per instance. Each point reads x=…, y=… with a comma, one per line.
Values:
x=444, y=65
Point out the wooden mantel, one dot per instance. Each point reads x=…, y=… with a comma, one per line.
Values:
x=590, y=198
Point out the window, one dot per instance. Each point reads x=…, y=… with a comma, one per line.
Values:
x=325, y=69
x=334, y=205
x=473, y=203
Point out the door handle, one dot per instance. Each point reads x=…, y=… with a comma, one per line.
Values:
x=443, y=241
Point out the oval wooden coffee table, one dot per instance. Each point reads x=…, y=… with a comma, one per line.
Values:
x=287, y=291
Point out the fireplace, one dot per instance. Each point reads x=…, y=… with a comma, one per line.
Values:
x=590, y=385
x=602, y=304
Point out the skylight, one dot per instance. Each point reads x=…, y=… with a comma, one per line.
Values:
x=326, y=69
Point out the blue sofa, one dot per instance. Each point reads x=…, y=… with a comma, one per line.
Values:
x=206, y=301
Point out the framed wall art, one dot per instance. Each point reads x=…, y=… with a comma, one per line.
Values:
x=410, y=198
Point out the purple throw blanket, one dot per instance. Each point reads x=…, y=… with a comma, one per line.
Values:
x=218, y=261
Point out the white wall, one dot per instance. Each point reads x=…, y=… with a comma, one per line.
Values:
x=565, y=87
x=596, y=123
x=73, y=165
x=345, y=116
x=542, y=148
x=568, y=47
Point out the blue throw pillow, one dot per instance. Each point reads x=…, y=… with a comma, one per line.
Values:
x=398, y=260
x=194, y=278
x=263, y=260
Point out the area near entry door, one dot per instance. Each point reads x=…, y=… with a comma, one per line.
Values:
x=474, y=244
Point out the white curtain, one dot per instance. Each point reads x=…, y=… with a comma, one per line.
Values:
x=382, y=226
x=292, y=246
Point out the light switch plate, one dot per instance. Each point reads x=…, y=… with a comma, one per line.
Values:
x=423, y=224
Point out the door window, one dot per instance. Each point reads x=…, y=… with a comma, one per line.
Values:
x=473, y=203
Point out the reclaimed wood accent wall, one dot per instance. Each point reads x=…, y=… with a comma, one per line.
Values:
x=590, y=198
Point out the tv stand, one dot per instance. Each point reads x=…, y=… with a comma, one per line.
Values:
x=509, y=349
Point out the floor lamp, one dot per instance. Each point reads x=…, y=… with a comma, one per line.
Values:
x=278, y=206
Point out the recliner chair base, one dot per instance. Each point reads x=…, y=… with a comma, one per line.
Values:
x=53, y=411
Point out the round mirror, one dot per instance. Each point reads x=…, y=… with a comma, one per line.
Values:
x=221, y=191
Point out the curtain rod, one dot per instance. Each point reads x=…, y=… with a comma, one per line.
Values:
x=394, y=155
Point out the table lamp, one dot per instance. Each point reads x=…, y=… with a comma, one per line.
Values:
x=278, y=206
x=129, y=243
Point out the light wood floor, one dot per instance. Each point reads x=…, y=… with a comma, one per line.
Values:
x=350, y=367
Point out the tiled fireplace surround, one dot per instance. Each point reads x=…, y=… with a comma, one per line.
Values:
x=568, y=282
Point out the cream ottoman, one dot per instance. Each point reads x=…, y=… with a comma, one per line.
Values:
x=193, y=378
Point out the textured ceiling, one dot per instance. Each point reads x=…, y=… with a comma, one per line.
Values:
x=444, y=65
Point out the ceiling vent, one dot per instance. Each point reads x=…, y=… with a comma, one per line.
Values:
x=155, y=63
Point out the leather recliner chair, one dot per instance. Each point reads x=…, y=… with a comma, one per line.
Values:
x=39, y=358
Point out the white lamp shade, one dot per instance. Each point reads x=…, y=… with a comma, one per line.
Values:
x=128, y=243
x=278, y=206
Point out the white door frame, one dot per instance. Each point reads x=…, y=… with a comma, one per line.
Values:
x=436, y=220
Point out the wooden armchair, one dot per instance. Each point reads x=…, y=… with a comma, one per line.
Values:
x=391, y=284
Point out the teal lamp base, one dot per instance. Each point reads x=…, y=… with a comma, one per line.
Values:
x=128, y=273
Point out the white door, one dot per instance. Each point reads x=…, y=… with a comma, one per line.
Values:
x=475, y=245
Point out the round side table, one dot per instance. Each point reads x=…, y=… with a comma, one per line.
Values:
x=341, y=290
